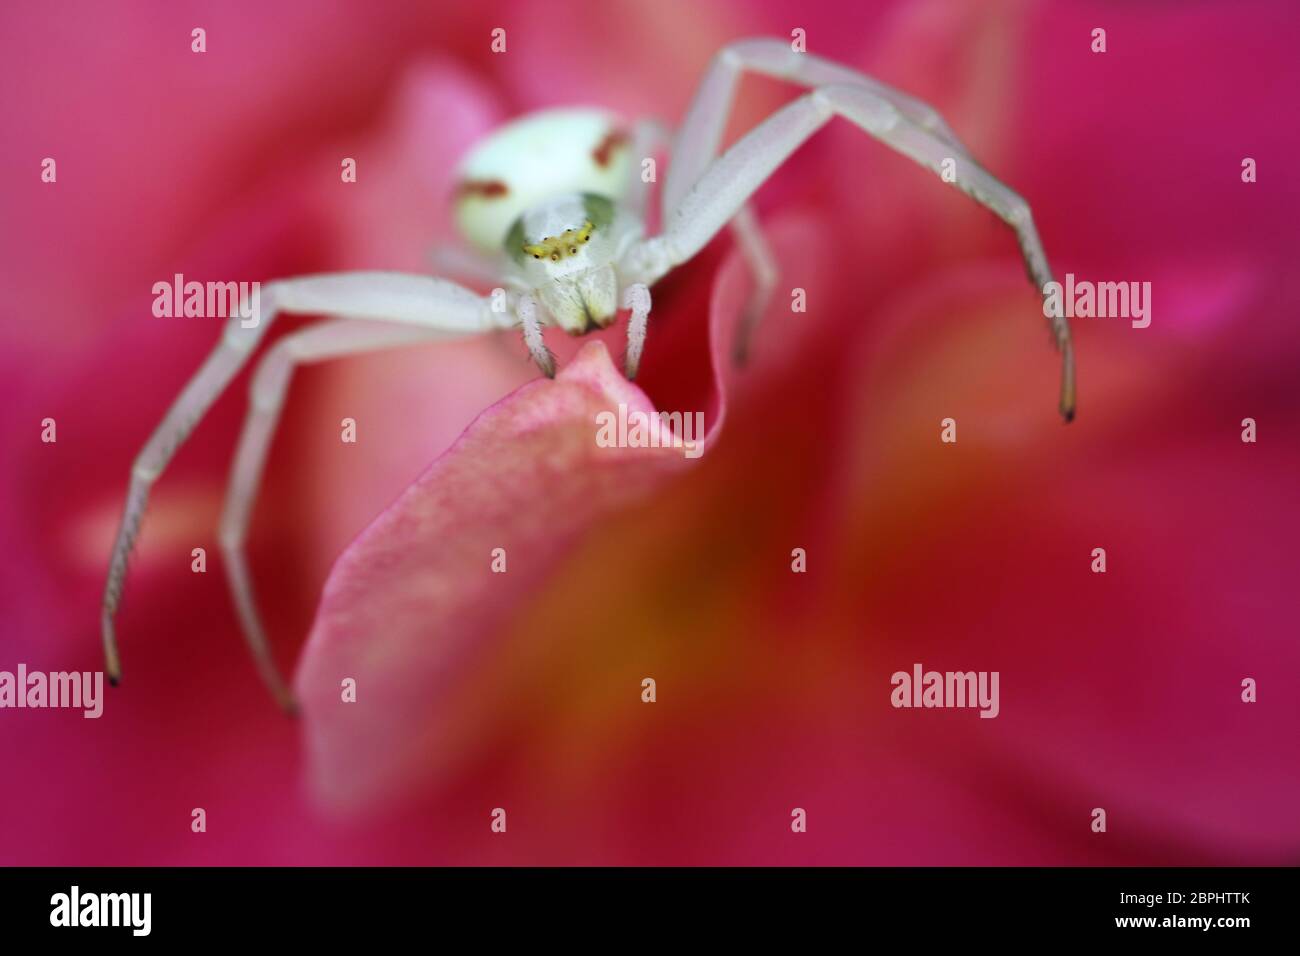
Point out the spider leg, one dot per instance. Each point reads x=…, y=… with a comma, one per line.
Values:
x=649, y=136
x=526, y=309
x=733, y=177
x=476, y=269
x=414, y=300
x=700, y=134
x=270, y=383
x=473, y=267
x=637, y=298
x=763, y=265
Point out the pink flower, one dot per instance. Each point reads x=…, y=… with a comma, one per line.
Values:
x=523, y=690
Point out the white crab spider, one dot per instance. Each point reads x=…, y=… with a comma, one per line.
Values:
x=556, y=200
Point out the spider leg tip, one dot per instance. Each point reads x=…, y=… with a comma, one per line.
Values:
x=112, y=663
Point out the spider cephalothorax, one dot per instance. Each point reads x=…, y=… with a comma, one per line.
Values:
x=553, y=206
x=565, y=249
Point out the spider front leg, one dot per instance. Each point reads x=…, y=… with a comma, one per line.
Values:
x=700, y=136
x=637, y=298
x=733, y=177
x=649, y=136
x=419, y=301
x=530, y=319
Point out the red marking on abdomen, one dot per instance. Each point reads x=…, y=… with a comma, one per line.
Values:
x=486, y=188
x=604, y=150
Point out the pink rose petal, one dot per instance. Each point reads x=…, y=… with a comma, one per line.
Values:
x=408, y=605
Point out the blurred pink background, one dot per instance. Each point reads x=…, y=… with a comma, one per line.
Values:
x=1119, y=691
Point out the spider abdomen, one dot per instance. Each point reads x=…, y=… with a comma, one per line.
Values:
x=536, y=158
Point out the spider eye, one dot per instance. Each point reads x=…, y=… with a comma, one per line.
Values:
x=536, y=256
x=555, y=257
x=573, y=250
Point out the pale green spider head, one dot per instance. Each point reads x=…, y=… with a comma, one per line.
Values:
x=565, y=250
